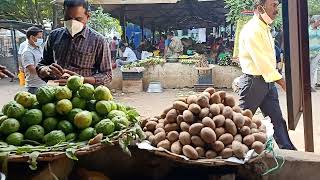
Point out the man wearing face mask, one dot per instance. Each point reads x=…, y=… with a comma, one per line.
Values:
x=76, y=49
x=31, y=56
x=258, y=62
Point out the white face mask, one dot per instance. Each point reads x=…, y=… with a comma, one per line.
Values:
x=73, y=26
x=266, y=18
x=39, y=42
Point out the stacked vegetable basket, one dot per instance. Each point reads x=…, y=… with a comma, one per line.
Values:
x=67, y=121
x=206, y=126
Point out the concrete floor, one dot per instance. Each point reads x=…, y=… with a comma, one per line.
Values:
x=152, y=104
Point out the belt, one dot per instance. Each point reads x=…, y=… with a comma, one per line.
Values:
x=254, y=76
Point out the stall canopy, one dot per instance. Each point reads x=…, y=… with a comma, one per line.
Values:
x=17, y=25
x=167, y=14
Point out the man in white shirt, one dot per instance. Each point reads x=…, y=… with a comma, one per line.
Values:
x=128, y=56
x=31, y=56
x=23, y=45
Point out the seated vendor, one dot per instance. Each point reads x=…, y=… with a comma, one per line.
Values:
x=128, y=56
x=175, y=47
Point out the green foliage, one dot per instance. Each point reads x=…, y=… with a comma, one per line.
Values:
x=33, y=11
x=236, y=7
x=314, y=7
x=103, y=22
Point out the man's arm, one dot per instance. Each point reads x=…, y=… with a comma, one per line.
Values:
x=47, y=60
x=263, y=59
x=4, y=72
x=102, y=65
x=124, y=55
x=28, y=63
x=47, y=69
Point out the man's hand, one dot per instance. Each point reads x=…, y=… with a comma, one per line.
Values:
x=70, y=72
x=54, y=71
x=67, y=73
x=2, y=75
x=282, y=83
x=5, y=73
x=61, y=82
x=63, y=79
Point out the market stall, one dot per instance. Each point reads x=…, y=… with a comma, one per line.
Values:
x=78, y=120
x=64, y=121
x=203, y=135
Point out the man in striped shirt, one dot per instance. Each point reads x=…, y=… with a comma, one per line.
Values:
x=76, y=49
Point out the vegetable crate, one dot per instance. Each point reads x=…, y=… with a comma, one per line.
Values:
x=204, y=78
x=202, y=87
x=132, y=75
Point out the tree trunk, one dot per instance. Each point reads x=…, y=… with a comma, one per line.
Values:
x=38, y=12
x=31, y=10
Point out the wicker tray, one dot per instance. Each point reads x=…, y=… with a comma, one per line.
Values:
x=206, y=162
x=51, y=156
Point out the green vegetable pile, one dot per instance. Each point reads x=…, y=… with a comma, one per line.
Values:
x=224, y=59
x=152, y=61
x=65, y=118
x=188, y=61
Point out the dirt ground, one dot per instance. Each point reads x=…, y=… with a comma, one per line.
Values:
x=152, y=104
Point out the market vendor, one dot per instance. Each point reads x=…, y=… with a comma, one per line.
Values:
x=175, y=46
x=128, y=56
x=258, y=62
x=76, y=49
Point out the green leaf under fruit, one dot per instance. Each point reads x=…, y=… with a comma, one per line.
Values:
x=71, y=154
x=33, y=160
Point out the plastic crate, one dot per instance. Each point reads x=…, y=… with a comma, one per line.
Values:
x=205, y=77
x=132, y=75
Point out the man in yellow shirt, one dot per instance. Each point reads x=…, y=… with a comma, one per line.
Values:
x=258, y=63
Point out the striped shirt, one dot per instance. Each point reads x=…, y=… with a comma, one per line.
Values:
x=86, y=54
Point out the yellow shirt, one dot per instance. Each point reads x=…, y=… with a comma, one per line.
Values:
x=256, y=51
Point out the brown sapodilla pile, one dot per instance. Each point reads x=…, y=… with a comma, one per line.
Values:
x=207, y=125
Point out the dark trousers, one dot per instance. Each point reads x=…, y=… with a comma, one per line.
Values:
x=32, y=90
x=256, y=93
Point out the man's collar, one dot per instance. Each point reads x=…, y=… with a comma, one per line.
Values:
x=84, y=33
x=32, y=47
x=261, y=23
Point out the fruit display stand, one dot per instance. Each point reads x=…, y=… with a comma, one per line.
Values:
x=61, y=122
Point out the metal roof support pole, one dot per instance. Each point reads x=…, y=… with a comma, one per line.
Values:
x=296, y=46
x=142, y=27
x=305, y=68
x=14, y=48
x=123, y=23
x=54, y=16
x=153, y=29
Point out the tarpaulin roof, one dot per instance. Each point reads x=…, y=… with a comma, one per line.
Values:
x=167, y=14
x=183, y=14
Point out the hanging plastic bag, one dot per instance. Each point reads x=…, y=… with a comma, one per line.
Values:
x=22, y=80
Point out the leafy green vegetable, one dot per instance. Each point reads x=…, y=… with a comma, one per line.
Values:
x=71, y=154
x=4, y=162
x=33, y=160
x=152, y=61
